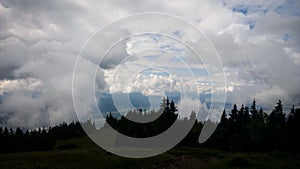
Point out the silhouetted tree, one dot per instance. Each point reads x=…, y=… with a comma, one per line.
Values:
x=242, y=130
x=172, y=107
x=293, y=128
x=142, y=130
x=276, y=128
x=253, y=109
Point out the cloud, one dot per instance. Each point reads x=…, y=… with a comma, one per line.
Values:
x=40, y=41
x=188, y=104
x=30, y=84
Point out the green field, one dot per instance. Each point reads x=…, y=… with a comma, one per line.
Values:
x=82, y=153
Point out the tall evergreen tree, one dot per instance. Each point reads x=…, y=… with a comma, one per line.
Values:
x=233, y=116
x=277, y=115
x=246, y=115
x=173, y=108
x=253, y=109
x=277, y=128
x=241, y=116
x=223, y=118
x=293, y=127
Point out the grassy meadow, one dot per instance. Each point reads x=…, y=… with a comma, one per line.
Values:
x=80, y=153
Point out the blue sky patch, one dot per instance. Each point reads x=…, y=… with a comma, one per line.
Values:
x=151, y=57
x=241, y=8
x=250, y=9
x=177, y=33
x=289, y=8
x=155, y=72
x=252, y=24
x=286, y=37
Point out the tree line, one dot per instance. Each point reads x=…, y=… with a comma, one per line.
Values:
x=252, y=129
x=41, y=139
x=241, y=129
x=131, y=123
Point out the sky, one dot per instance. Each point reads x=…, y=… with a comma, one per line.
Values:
x=40, y=41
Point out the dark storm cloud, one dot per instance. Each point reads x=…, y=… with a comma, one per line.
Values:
x=7, y=72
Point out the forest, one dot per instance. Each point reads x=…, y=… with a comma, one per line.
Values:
x=40, y=139
x=242, y=129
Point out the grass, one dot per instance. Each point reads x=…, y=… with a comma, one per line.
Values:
x=83, y=153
